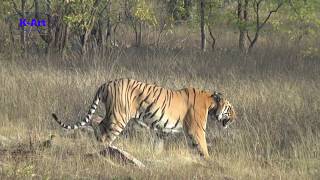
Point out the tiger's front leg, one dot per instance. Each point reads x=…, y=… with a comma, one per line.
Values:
x=198, y=140
x=195, y=131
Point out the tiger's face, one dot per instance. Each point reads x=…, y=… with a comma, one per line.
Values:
x=223, y=111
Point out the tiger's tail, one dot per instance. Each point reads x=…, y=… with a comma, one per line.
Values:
x=88, y=117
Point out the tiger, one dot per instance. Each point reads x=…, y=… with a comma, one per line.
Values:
x=170, y=111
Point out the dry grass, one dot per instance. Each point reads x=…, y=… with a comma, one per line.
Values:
x=275, y=92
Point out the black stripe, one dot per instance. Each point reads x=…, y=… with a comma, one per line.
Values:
x=139, y=105
x=123, y=119
x=121, y=93
x=170, y=97
x=165, y=124
x=142, y=91
x=127, y=104
x=118, y=124
x=105, y=95
x=148, y=108
x=140, y=115
x=93, y=106
x=146, y=115
x=144, y=87
x=113, y=133
x=133, y=90
x=176, y=124
x=187, y=92
x=164, y=104
x=145, y=98
x=158, y=95
x=109, y=104
x=94, y=103
x=194, y=97
x=114, y=101
x=116, y=130
x=155, y=122
x=154, y=94
x=154, y=113
x=149, y=89
x=100, y=91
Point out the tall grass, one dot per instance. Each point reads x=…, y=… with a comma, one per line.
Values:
x=276, y=93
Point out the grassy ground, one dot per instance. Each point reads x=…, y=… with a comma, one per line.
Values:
x=275, y=91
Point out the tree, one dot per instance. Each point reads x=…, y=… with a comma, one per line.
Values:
x=250, y=19
x=202, y=23
x=258, y=23
x=56, y=34
x=242, y=14
x=83, y=16
x=22, y=14
x=217, y=15
x=139, y=13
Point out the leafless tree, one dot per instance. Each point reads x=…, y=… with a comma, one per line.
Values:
x=202, y=27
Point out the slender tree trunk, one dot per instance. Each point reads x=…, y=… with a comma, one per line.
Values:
x=23, y=33
x=99, y=34
x=140, y=34
x=64, y=39
x=212, y=37
x=85, y=38
x=243, y=19
x=202, y=23
x=11, y=33
x=109, y=26
x=135, y=29
x=241, y=29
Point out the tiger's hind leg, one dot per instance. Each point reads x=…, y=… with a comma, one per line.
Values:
x=107, y=131
x=159, y=139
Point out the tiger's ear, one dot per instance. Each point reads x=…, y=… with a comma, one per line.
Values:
x=217, y=96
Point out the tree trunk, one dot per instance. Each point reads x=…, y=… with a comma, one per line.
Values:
x=242, y=40
x=84, y=41
x=140, y=34
x=212, y=37
x=109, y=26
x=11, y=33
x=22, y=33
x=99, y=34
x=241, y=30
x=203, y=36
x=243, y=19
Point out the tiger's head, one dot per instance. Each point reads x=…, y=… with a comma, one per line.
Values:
x=222, y=110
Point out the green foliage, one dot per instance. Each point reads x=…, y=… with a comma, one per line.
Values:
x=82, y=14
x=218, y=13
x=179, y=9
x=300, y=21
x=144, y=13
x=5, y=8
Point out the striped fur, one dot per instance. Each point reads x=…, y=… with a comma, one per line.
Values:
x=169, y=111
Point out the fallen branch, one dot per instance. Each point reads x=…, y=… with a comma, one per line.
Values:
x=113, y=151
x=121, y=155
